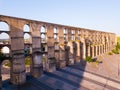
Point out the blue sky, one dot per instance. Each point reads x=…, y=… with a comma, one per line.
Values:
x=101, y=15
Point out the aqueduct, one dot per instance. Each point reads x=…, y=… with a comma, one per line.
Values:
x=66, y=44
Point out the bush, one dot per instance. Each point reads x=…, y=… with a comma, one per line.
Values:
x=118, y=46
x=98, y=61
x=7, y=64
x=89, y=59
x=110, y=53
x=115, y=51
x=27, y=60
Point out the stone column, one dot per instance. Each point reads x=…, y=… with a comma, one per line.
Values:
x=87, y=50
x=36, y=68
x=71, y=51
x=81, y=51
x=78, y=51
x=77, y=42
x=18, y=74
x=62, y=61
x=51, y=49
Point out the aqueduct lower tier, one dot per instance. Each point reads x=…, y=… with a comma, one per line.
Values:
x=66, y=44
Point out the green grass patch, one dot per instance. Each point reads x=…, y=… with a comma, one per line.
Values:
x=110, y=53
x=89, y=59
x=7, y=64
x=115, y=51
x=118, y=39
x=27, y=60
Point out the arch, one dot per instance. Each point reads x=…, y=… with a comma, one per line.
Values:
x=65, y=31
x=26, y=28
x=43, y=29
x=5, y=50
x=4, y=26
x=27, y=38
x=5, y=70
x=56, y=38
x=4, y=38
x=28, y=64
x=55, y=30
x=72, y=32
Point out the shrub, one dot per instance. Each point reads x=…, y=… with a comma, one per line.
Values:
x=43, y=58
x=118, y=46
x=110, y=53
x=7, y=64
x=27, y=60
x=89, y=59
x=115, y=51
x=98, y=61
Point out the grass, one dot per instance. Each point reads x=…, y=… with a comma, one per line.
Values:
x=110, y=53
x=89, y=59
x=7, y=64
x=27, y=60
x=118, y=39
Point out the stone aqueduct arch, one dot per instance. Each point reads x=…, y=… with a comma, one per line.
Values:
x=73, y=45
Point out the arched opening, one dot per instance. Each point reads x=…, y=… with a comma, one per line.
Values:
x=5, y=64
x=72, y=35
x=4, y=26
x=43, y=39
x=65, y=35
x=55, y=30
x=26, y=28
x=43, y=34
x=4, y=38
x=56, y=38
x=5, y=70
x=27, y=38
x=27, y=48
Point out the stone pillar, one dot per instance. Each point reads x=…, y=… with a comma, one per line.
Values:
x=70, y=45
x=81, y=51
x=96, y=50
x=71, y=53
x=78, y=51
x=36, y=68
x=18, y=74
x=62, y=61
x=84, y=50
x=57, y=53
x=87, y=50
x=77, y=41
x=103, y=48
x=51, y=49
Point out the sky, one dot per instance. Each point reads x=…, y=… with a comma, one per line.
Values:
x=102, y=15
